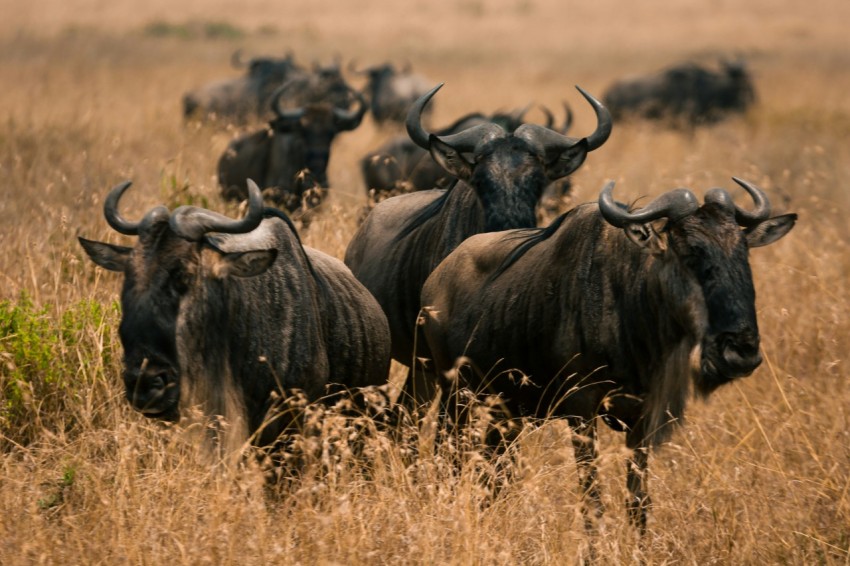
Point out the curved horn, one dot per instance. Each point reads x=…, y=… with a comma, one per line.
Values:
x=293, y=114
x=470, y=138
x=760, y=213
x=553, y=140
x=568, y=118
x=550, y=118
x=414, y=119
x=350, y=119
x=518, y=115
x=603, y=122
x=110, y=211
x=550, y=140
x=236, y=60
x=675, y=205
x=463, y=141
x=192, y=223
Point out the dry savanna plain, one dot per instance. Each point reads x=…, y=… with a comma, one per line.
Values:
x=90, y=96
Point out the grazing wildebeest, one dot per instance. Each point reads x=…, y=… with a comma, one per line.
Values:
x=687, y=94
x=296, y=139
x=405, y=237
x=232, y=314
x=605, y=313
x=241, y=99
x=401, y=166
x=391, y=92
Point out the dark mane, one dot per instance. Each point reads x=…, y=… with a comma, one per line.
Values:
x=425, y=214
x=528, y=237
x=269, y=212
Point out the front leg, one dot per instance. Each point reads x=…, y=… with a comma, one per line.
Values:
x=584, y=448
x=638, y=502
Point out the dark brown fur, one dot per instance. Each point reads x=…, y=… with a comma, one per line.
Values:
x=232, y=323
x=601, y=321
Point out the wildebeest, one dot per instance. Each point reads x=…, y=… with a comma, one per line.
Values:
x=391, y=92
x=606, y=312
x=241, y=99
x=324, y=83
x=404, y=238
x=400, y=165
x=296, y=139
x=685, y=94
x=232, y=314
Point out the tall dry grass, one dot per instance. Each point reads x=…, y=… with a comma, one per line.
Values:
x=90, y=96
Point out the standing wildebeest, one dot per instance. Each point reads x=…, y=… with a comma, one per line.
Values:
x=686, y=94
x=405, y=237
x=392, y=92
x=297, y=139
x=231, y=314
x=240, y=99
x=400, y=165
x=606, y=313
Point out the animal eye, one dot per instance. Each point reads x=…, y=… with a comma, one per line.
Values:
x=179, y=279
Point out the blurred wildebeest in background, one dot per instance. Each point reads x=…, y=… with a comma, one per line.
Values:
x=230, y=315
x=301, y=200
x=604, y=313
x=391, y=92
x=241, y=99
x=687, y=94
x=405, y=237
x=324, y=83
x=296, y=139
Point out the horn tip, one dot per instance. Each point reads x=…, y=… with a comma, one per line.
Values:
x=252, y=185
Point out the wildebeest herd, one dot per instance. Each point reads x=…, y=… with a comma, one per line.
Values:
x=611, y=312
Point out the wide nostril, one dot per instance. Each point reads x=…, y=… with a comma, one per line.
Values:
x=156, y=382
x=742, y=355
x=145, y=383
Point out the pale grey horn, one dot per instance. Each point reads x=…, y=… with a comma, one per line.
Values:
x=192, y=223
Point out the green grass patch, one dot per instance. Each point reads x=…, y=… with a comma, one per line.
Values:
x=50, y=364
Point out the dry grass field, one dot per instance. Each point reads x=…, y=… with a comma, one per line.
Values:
x=90, y=95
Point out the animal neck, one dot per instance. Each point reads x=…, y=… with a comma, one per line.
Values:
x=207, y=381
x=647, y=302
x=506, y=208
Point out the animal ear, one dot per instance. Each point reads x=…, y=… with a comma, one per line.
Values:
x=450, y=159
x=108, y=256
x=770, y=230
x=566, y=161
x=241, y=264
x=646, y=236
